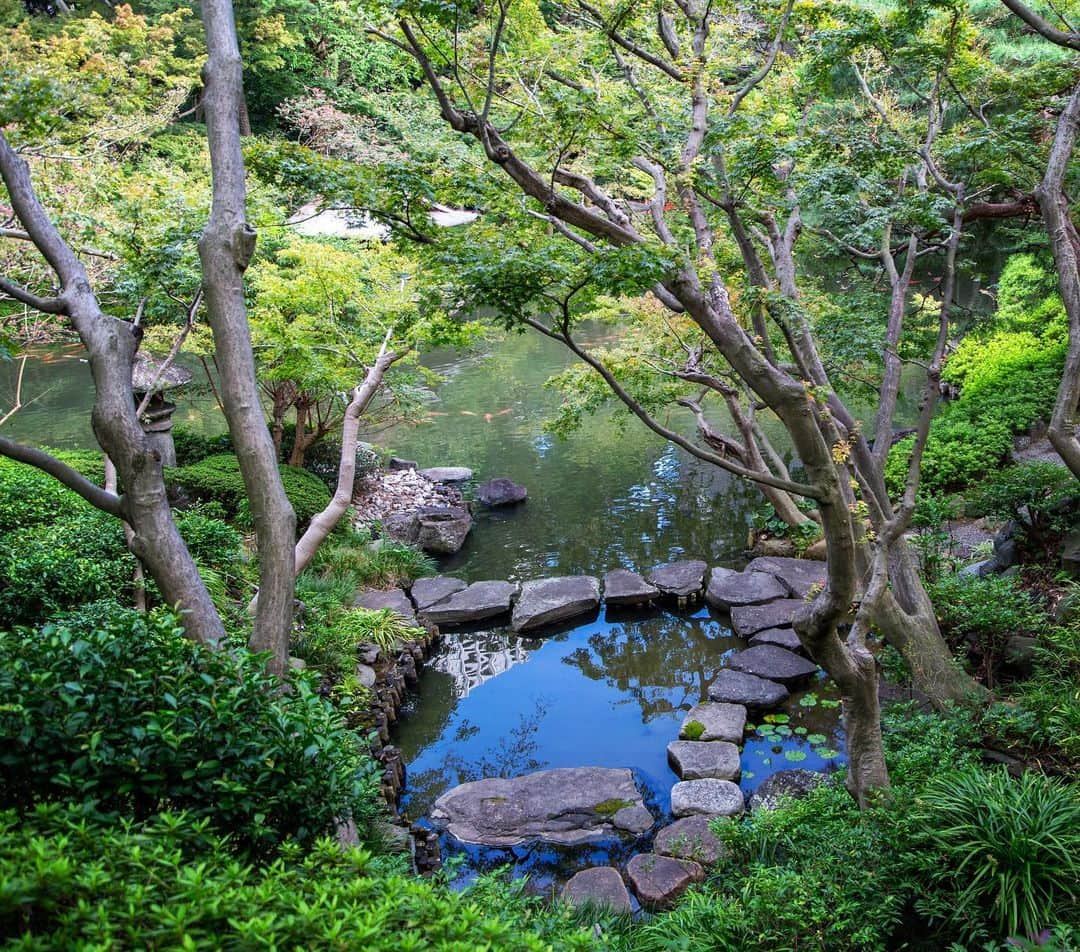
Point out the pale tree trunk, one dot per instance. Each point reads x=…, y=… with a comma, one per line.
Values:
x=225, y=250
x=325, y=522
x=111, y=345
x=1066, y=246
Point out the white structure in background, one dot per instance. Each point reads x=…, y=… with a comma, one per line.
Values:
x=346, y=223
x=471, y=658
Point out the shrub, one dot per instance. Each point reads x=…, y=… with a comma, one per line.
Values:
x=210, y=541
x=1007, y=850
x=131, y=717
x=169, y=883
x=384, y=565
x=218, y=479
x=49, y=567
x=193, y=447
x=1038, y=496
x=29, y=497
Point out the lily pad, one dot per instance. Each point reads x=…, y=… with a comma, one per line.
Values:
x=794, y=755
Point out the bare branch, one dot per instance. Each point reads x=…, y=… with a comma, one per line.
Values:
x=1040, y=26
x=74, y=480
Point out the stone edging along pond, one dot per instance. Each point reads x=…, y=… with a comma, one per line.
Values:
x=761, y=600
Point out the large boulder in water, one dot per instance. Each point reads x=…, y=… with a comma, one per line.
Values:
x=712, y=720
x=599, y=886
x=773, y=664
x=500, y=492
x=567, y=806
x=728, y=588
x=546, y=601
x=701, y=759
x=447, y=474
x=758, y=694
x=706, y=798
x=478, y=602
x=442, y=529
x=660, y=880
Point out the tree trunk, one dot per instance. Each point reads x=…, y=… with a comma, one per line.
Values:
x=111, y=345
x=301, y=440
x=225, y=249
x=325, y=522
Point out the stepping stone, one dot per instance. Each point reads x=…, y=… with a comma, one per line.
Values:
x=599, y=886
x=430, y=591
x=728, y=588
x=780, y=637
x=680, y=579
x=623, y=587
x=477, y=602
x=747, y=620
x=500, y=492
x=703, y=759
x=773, y=664
x=706, y=798
x=447, y=474
x=725, y=722
x=690, y=838
x=660, y=880
x=795, y=783
x=756, y=693
x=800, y=575
x=394, y=599
x=546, y=601
x=566, y=805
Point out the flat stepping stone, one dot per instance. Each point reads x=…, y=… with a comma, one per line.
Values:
x=796, y=783
x=800, y=575
x=623, y=587
x=758, y=694
x=660, y=880
x=477, y=602
x=718, y=721
x=728, y=588
x=447, y=474
x=706, y=798
x=780, y=637
x=566, y=805
x=500, y=492
x=703, y=759
x=690, y=838
x=599, y=886
x=546, y=601
x=683, y=579
x=747, y=620
x=426, y=592
x=773, y=664
x=394, y=599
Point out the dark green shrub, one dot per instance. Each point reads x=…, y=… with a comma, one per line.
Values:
x=29, y=497
x=1040, y=497
x=169, y=883
x=1007, y=850
x=218, y=479
x=131, y=717
x=193, y=447
x=210, y=541
x=48, y=567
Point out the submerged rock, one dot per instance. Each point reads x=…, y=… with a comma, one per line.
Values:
x=706, y=798
x=599, y=886
x=477, y=602
x=773, y=664
x=500, y=492
x=747, y=620
x=728, y=588
x=690, y=838
x=701, y=759
x=394, y=599
x=623, y=587
x=546, y=601
x=716, y=721
x=683, y=579
x=447, y=474
x=755, y=693
x=567, y=805
x=442, y=529
x=800, y=575
x=660, y=880
x=426, y=592
x=795, y=783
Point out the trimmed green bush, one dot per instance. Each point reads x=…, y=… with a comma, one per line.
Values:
x=218, y=479
x=169, y=883
x=29, y=497
x=210, y=541
x=192, y=447
x=129, y=717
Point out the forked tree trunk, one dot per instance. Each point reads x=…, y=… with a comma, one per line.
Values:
x=225, y=250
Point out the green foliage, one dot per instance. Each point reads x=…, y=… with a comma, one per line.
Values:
x=210, y=541
x=218, y=479
x=1040, y=497
x=1008, y=850
x=171, y=883
x=127, y=716
x=29, y=497
x=1028, y=299
x=194, y=447
x=383, y=564
x=332, y=647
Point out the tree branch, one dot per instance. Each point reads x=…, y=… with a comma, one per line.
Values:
x=74, y=480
